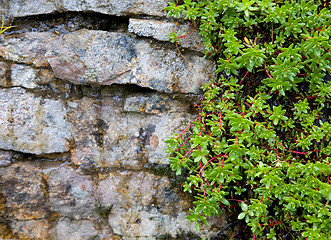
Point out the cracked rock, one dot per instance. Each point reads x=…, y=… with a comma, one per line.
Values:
x=105, y=58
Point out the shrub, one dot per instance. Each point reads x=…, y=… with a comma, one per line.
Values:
x=260, y=143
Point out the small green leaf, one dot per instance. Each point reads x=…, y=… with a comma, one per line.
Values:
x=241, y=215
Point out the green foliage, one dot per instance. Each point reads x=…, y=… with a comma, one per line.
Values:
x=261, y=141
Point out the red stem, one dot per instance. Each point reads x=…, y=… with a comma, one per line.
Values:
x=298, y=152
x=184, y=36
x=184, y=131
x=244, y=77
x=312, y=97
x=265, y=67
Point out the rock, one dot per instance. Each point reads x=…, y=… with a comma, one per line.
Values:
x=123, y=59
x=24, y=8
x=23, y=76
x=32, y=125
x=161, y=31
x=144, y=205
x=83, y=117
x=29, y=49
x=5, y=232
x=23, y=190
x=140, y=203
x=31, y=229
x=28, y=77
x=148, y=223
x=73, y=230
x=4, y=74
x=124, y=129
x=20, y=8
x=79, y=60
x=5, y=158
x=127, y=188
x=132, y=137
x=44, y=76
x=105, y=58
x=71, y=194
x=154, y=104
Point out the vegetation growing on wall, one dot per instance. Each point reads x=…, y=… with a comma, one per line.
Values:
x=260, y=144
x=3, y=28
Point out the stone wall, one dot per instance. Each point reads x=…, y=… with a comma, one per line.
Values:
x=89, y=91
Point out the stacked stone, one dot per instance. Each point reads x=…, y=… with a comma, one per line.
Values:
x=83, y=119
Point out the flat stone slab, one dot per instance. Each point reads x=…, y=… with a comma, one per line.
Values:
x=161, y=30
x=29, y=49
x=106, y=58
x=32, y=125
x=22, y=8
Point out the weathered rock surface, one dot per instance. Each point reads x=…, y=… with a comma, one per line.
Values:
x=124, y=60
x=73, y=230
x=23, y=76
x=4, y=74
x=29, y=49
x=28, y=77
x=29, y=200
x=31, y=124
x=105, y=58
x=23, y=189
x=161, y=30
x=124, y=128
x=31, y=229
x=21, y=8
x=5, y=158
x=143, y=189
x=148, y=223
x=71, y=194
x=144, y=205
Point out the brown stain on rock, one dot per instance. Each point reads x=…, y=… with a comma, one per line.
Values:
x=154, y=141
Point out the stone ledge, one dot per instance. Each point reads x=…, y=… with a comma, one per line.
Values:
x=161, y=31
x=18, y=8
x=105, y=58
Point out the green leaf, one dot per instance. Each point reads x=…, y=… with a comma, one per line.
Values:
x=241, y=215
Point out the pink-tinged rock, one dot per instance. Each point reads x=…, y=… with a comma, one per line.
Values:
x=30, y=48
x=106, y=58
x=4, y=74
x=71, y=194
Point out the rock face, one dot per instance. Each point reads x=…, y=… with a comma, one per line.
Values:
x=21, y=8
x=84, y=114
x=161, y=31
x=31, y=124
x=105, y=58
x=25, y=201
